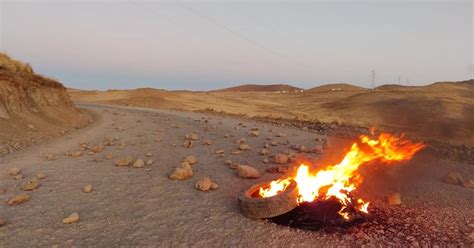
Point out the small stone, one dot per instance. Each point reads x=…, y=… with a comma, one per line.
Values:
x=264, y=151
x=219, y=152
x=150, y=162
x=73, y=218
x=214, y=186
x=394, y=199
x=280, y=159
x=253, y=133
x=18, y=177
x=41, y=176
x=30, y=185
x=190, y=160
x=468, y=183
x=124, y=161
x=181, y=173
x=274, y=143
x=244, y=147
x=207, y=142
x=453, y=178
x=204, y=184
x=191, y=136
x=87, y=188
x=188, y=143
x=228, y=162
x=19, y=199
x=148, y=154
x=139, y=163
x=2, y=221
x=265, y=161
x=248, y=172
x=236, y=152
x=14, y=171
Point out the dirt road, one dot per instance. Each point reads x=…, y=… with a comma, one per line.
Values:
x=142, y=207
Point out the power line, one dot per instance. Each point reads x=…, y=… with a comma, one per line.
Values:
x=241, y=36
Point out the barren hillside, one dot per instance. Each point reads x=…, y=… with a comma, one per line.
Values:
x=424, y=112
x=260, y=88
x=337, y=87
x=32, y=107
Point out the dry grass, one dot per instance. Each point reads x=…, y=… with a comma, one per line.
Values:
x=442, y=111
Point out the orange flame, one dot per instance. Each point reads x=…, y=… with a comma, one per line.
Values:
x=340, y=179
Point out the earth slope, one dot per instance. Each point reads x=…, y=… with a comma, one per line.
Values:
x=32, y=107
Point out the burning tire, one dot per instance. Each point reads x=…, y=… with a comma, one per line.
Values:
x=255, y=207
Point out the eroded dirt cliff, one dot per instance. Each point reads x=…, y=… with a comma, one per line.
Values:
x=32, y=107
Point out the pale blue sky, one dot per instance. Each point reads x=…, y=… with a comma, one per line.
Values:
x=207, y=45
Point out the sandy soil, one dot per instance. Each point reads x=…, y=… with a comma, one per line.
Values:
x=142, y=207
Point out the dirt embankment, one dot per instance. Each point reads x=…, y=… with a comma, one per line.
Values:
x=32, y=107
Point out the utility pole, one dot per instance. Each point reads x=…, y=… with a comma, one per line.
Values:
x=399, y=80
x=408, y=81
x=373, y=79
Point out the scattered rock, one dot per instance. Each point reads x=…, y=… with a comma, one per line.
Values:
x=248, y=172
x=76, y=154
x=190, y=160
x=41, y=176
x=181, y=173
x=204, y=184
x=207, y=142
x=139, y=163
x=274, y=143
x=214, y=186
x=73, y=218
x=280, y=159
x=394, y=199
x=468, y=183
x=264, y=151
x=14, y=171
x=149, y=162
x=30, y=185
x=97, y=149
x=219, y=152
x=87, y=188
x=244, y=147
x=265, y=160
x=236, y=152
x=19, y=199
x=149, y=154
x=124, y=161
x=278, y=169
x=453, y=178
x=18, y=177
x=2, y=221
x=253, y=133
x=191, y=136
x=188, y=143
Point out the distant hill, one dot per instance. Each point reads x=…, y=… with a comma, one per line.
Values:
x=260, y=88
x=337, y=87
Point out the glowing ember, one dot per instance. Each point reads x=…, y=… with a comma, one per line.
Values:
x=340, y=179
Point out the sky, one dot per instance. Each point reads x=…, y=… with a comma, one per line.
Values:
x=197, y=45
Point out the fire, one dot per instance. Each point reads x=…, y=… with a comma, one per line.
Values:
x=337, y=181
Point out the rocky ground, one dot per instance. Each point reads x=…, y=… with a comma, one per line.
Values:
x=108, y=185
